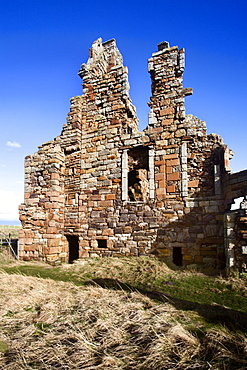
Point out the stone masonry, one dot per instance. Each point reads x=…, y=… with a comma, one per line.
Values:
x=102, y=188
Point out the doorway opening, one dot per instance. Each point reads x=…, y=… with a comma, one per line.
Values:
x=177, y=257
x=73, y=241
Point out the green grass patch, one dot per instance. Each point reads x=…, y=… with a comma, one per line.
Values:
x=206, y=290
x=41, y=328
x=41, y=271
x=3, y=346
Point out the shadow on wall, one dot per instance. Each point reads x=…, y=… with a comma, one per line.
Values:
x=197, y=236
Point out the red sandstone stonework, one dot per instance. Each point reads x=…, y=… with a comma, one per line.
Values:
x=104, y=188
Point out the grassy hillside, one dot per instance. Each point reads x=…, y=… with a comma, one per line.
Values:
x=120, y=314
x=5, y=230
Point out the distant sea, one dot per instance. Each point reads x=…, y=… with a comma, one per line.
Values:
x=10, y=223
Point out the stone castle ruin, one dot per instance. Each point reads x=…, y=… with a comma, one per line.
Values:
x=102, y=188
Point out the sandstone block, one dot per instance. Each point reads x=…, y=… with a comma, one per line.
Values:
x=107, y=232
x=110, y=196
x=171, y=189
x=193, y=183
x=167, y=111
x=173, y=176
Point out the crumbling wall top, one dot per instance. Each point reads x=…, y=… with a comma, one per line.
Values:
x=102, y=57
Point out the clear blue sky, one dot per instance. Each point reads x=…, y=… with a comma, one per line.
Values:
x=43, y=43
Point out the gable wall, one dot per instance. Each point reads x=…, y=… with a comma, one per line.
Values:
x=174, y=196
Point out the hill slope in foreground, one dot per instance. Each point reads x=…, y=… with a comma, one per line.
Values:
x=120, y=314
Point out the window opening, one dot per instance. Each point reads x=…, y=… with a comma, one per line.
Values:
x=134, y=186
x=138, y=184
x=177, y=257
x=102, y=243
x=73, y=247
x=236, y=204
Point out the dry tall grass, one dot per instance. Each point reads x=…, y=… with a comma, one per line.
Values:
x=54, y=325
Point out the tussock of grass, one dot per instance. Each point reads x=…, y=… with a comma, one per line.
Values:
x=46, y=324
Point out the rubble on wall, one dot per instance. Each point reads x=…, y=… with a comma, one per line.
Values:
x=102, y=188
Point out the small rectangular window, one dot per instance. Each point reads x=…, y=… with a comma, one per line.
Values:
x=102, y=243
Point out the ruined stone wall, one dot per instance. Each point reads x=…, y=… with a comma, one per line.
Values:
x=42, y=214
x=185, y=160
x=119, y=191
x=235, y=186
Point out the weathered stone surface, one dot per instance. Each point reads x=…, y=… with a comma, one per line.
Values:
x=104, y=188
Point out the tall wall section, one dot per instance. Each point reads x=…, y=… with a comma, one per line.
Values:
x=42, y=214
x=118, y=191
